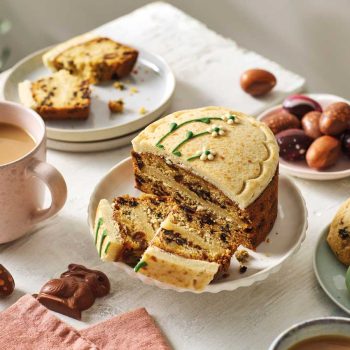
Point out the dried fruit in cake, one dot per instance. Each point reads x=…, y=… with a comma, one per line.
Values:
x=92, y=57
x=339, y=234
x=213, y=158
x=58, y=96
x=123, y=229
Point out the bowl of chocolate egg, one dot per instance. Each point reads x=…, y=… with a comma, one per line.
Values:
x=327, y=333
x=313, y=134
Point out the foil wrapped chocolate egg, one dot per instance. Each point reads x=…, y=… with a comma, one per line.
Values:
x=299, y=105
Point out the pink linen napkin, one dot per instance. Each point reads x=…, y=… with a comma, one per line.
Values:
x=29, y=325
x=134, y=330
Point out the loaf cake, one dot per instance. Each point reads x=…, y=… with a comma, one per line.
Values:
x=92, y=57
x=123, y=229
x=58, y=96
x=217, y=159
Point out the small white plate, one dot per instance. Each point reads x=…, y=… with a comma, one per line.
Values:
x=93, y=146
x=151, y=76
x=283, y=241
x=330, y=273
x=300, y=168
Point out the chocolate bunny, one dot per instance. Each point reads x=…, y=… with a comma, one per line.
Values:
x=75, y=291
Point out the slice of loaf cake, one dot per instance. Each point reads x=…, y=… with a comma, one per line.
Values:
x=217, y=159
x=124, y=229
x=92, y=57
x=58, y=96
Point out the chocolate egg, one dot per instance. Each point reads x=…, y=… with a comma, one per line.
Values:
x=257, y=82
x=299, y=105
x=345, y=142
x=335, y=119
x=280, y=120
x=293, y=144
x=7, y=283
x=311, y=124
x=323, y=152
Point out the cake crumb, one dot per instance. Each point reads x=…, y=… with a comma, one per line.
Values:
x=119, y=85
x=267, y=240
x=243, y=269
x=242, y=255
x=142, y=110
x=225, y=275
x=116, y=106
x=133, y=90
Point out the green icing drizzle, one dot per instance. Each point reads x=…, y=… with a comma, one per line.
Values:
x=174, y=126
x=194, y=157
x=190, y=135
x=140, y=265
x=99, y=223
x=107, y=247
x=103, y=237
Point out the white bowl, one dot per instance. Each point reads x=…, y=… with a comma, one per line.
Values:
x=300, y=168
x=285, y=237
x=313, y=328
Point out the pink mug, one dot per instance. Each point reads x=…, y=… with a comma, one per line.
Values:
x=23, y=181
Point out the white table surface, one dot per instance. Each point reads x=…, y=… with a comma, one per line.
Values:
x=248, y=318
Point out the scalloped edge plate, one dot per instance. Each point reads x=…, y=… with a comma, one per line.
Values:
x=300, y=168
x=285, y=238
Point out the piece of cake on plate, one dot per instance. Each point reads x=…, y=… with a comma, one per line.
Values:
x=123, y=229
x=92, y=57
x=217, y=159
x=58, y=96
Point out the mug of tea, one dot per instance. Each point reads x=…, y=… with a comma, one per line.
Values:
x=24, y=173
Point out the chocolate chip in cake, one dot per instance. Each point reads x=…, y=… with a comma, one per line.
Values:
x=344, y=233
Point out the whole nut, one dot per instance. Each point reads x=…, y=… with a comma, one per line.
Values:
x=299, y=105
x=311, y=124
x=280, y=120
x=335, y=119
x=7, y=284
x=257, y=82
x=293, y=144
x=323, y=152
x=345, y=142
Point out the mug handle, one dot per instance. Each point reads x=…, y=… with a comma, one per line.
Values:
x=56, y=184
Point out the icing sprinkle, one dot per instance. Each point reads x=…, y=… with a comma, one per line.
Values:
x=231, y=119
x=205, y=154
x=216, y=130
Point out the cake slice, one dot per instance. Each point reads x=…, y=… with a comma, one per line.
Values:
x=217, y=159
x=123, y=229
x=92, y=57
x=176, y=270
x=58, y=96
x=186, y=253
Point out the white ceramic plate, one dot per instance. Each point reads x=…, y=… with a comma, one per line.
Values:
x=151, y=76
x=300, y=168
x=284, y=239
x=330, y=273
x=92, y=146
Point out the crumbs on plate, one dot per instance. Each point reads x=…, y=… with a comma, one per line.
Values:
x=142, y=110
x=116, y=106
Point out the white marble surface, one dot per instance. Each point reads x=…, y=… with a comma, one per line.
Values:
x=248, y=318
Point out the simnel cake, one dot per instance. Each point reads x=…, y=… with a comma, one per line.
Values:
x=123, y=229
x=92, y=57
x=58, y=96
x=213, y=158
